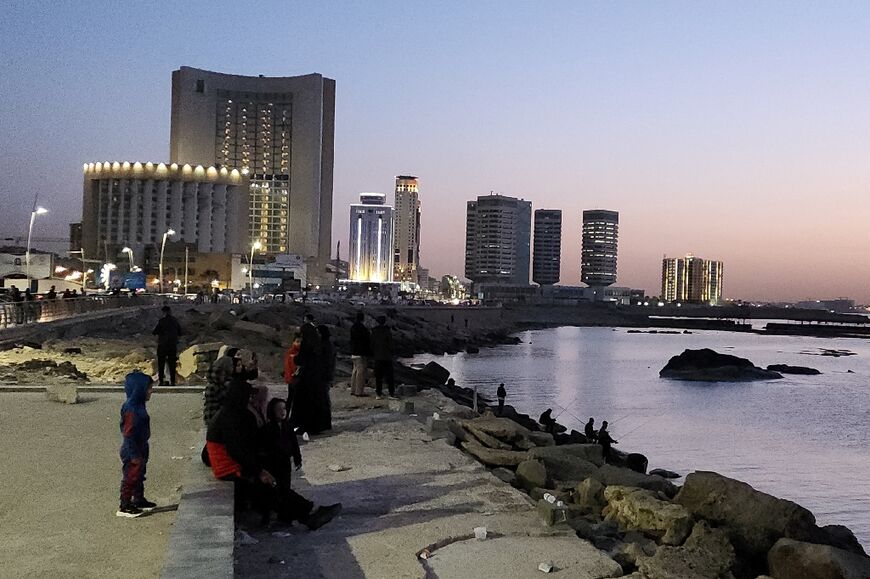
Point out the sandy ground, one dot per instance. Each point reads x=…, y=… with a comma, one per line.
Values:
x=403, y=492
x=59, y=485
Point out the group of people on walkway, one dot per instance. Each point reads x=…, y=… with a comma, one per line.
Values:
x=254, y=446
x=376, y=345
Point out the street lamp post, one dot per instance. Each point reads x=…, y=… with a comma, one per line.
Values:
x=36, y=211
x=254, y=247
x=169, y=232
x=129, y=252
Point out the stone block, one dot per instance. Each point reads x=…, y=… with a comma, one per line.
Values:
x=437, y=428
x=262, y=329
x=790, y=559
x=406, y=390
x=589, y=496
x=492, y=456
x=639, y=509
x=550, y=513
x=504, y=475
x=403, y=406
x=66, y=393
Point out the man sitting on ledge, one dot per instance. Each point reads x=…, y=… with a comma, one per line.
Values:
x=231, y=441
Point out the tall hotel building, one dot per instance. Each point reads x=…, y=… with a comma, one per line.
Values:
x=134, y=204
x=691, y=279
x=406, y=237
x=497, y=240
x=371, y=236
x=279, y=132
x=547, y=254
x=599, y=244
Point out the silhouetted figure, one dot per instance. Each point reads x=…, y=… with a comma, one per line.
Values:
x=591, y=435
x=382, y=352
x=167, y=331
x=605, y=440
x=501, y=394
x=547, y=421
x=66, y=294
x=51, y=294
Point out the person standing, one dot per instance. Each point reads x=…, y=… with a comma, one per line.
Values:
x=605, y=440
x=167, y=331
x=135, y=430
x=360, y=350
x=18, y=303
x=382, y=352
x=589, y=430
x=501, y=394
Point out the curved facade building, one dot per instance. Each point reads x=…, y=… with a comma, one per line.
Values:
x=279, y=132
x=598, y=252
x=134, y=204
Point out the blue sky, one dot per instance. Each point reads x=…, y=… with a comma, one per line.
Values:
x=736, y=131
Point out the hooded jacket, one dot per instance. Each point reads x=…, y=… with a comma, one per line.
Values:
x=135, y=422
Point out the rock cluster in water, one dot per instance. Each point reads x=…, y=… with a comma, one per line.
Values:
x=710, y=366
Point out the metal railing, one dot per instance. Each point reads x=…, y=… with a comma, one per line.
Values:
x=15, y=314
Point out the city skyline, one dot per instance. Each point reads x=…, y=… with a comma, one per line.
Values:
x=744, y=125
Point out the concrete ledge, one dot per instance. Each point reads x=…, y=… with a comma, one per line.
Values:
x=201, y=544
x=101, y=388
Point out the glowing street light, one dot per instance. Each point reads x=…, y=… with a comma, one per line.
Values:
x=169, y=232
x=36, y=211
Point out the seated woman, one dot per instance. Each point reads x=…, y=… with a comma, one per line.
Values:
x=234, y=452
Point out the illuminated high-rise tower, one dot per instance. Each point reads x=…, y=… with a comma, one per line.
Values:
x=279, y=132
x=598, y=252
x=547, y=252
x=406, y=237
x=371, y=236
x=691, y=279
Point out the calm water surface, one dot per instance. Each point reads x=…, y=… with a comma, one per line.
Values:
x=804, y=438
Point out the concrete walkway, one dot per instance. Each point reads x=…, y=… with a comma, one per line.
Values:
x=403, y=492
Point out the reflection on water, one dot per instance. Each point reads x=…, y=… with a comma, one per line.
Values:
x=804, y=438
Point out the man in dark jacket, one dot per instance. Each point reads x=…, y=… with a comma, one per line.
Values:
x=234, y=455
x=382, y=352
x=360, y=350
x=167, y=331
x=605, y=440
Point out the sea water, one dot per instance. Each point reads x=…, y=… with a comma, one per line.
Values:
x=802, y=438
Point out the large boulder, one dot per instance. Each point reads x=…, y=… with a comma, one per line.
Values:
x=790, y=559
x=434, y=373
x=707, y=554
x=710, y=366
x=589, y=496
x=838, y=536
x=588, y=452
x=614, y=475
x=197, y=359
x=492, y=456
x=541, y=438
x=503, y=429
x=564, y=468
x=485, y=438
x=754, y=520
x=641, y=510
x=261, y=329
x=532, y=474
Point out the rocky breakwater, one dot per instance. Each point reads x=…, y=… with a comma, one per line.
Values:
x=707, y=365
x=712, y=527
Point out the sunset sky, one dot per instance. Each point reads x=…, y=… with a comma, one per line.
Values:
x=736, y=131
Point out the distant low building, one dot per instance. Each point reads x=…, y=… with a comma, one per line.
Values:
x=555, y=294
x=134, y=204
x=13, y=266
x=839, y=305
x=691, y=279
